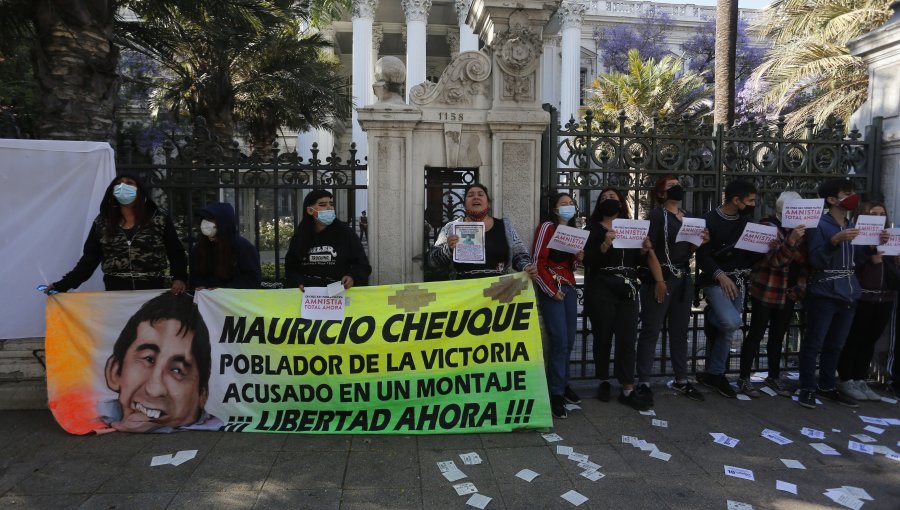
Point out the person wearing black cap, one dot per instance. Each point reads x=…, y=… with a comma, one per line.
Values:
x=132, y=240
x=324, y=249
x=221, y=257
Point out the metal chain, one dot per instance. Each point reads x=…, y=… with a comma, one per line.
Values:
x=668, y=265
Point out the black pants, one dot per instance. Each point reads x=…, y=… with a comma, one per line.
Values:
x=612, y=316
x=777, y=321
x=118, y=283
x=676, y=308
x=868, y=325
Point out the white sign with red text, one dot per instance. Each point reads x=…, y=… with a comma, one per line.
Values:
x=568, y=239
x=757, y=237
x=870, y=228
x=893, y=245
x=630, y=233
x=318, y=305
x=691, y=231
x=802, y=211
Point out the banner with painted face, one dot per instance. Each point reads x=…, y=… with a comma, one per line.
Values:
x=442, y=357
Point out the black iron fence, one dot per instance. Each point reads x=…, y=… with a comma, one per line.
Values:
x=583, y=157
x=266, y=187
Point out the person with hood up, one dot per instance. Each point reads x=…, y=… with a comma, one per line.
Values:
x=133, y=241
x=324, y=249
x=222, y=258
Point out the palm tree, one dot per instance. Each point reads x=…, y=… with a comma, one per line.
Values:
x=649, y=89
x=726, y=48
x=809, y=57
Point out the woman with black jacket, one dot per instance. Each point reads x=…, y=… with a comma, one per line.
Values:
x=221, y=257
x=324, y=249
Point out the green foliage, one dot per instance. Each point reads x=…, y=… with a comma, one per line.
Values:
x=267, y=233
x=18, y=90
x=649, y=88
x=268, y=272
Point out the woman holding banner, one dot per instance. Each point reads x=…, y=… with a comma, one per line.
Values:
x=132, y=240
x=558, y=300
x=611, y=296
x=878, y=277
x=503, y=249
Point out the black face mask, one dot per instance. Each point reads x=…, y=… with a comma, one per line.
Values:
x=609, y=207
x=676, y=192
x=747, y=210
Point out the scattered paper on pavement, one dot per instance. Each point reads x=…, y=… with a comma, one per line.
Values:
x=660, y=423
x=160, y=460
x=793, y=464
x=860, y=447
x=183, y=456
x=478, y=501
x=812, y=433
x=454, y=475
x=873, y=429
x=656, y=454
x=564, y=450
x=824, y=449
x=551, y=438
x=527, y=475
x=470, y=459
x=864, y=438
x=465, y=488
x=785, y=486
x=737, y=505
x=737, y=472
x=575, y=498
x=592, y=474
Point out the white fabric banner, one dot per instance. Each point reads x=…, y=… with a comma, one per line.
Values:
x=50, y=192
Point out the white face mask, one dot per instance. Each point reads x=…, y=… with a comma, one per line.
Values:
x=208, y=228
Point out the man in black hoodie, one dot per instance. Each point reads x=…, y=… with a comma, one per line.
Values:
x=221, y=257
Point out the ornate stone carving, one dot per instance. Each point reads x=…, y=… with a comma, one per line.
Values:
x=364, y=9
x=390, y=76
x=460, y=82
x=518, y=88
x=571, y=13
x=453, y=42
x=462, y=10
x=416, y=10
x=377, y=37
x=518, y=50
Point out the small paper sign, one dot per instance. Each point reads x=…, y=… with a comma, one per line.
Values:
x=802, y=211
x=870, y=228
x=691, y=231
x=470, y=247
x=630, y=233
x=893, y=245
x=757, y=237
x=737, y=472
x=568, y=239
x=318, y=305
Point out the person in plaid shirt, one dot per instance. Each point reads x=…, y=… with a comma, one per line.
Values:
x=778, y=281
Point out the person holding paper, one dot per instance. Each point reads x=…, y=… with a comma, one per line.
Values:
x=669, y=298
x=611, y=297
x=724, y=270
x=878, y=277
x=324, y=249
x=221, y=257
x=778, y=281
x=504, y=249
x=558, y=300
x=832, y=292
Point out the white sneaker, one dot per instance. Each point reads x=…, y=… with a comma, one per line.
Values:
x=849, y=388
x=867, y=391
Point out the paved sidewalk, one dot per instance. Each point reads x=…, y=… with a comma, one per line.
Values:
x=43, y=467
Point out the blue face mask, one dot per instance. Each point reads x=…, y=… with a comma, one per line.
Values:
x=325, y=217
x=125, y=193
x=567, y=212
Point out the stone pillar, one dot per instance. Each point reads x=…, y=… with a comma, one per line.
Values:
x=550, y=71
x=880, y=50
x=416, y=18
x=363, y=15
x=571, y=16
x=468, y=40
x=453, y=42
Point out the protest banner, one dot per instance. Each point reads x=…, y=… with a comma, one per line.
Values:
x=426, y=358
x=470, y=247
x=802, y=211
x=568, y=239
x=757, y=237
x=870, y=228
x=691, y=231
x=893, y=245
x=630, y=233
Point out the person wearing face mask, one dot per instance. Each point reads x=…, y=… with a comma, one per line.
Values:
x=611, y=287
x=724, y=273
x=832, y=293
x=669, y=298
x=133, y=241
x=777, y=282
x=558, y=300
x=324, y=249
x=504, y=249
x=878, y=277
x=221, y=257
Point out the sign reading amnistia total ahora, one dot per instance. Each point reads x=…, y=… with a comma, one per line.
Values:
x=444, y=357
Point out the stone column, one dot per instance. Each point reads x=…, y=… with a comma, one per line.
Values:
x=550, y=71
x=363, y=15
x=453, y=42
x=571, y=16
x=416, y=18
x=468, y=40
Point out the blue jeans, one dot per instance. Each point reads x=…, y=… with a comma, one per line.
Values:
x=560, y=320
x=828, y=323
x=725, y=316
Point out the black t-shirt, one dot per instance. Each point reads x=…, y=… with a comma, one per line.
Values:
x=680, y=253
x=496, y=253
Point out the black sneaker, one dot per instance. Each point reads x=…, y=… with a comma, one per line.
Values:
x=558, y=407
x=838, y=397
x=688, y=390
x=807, y=399
x=895, y=388
x=778, y=386
x=722, y=385
x=644, y=394
x=706, y=379
x=603, y=391
x=632, y=401
x=570, y=396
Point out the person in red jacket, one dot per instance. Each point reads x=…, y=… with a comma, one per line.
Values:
x=558, y=300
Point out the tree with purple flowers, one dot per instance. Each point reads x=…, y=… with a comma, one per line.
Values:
x=648, y=36
x=700, y=51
